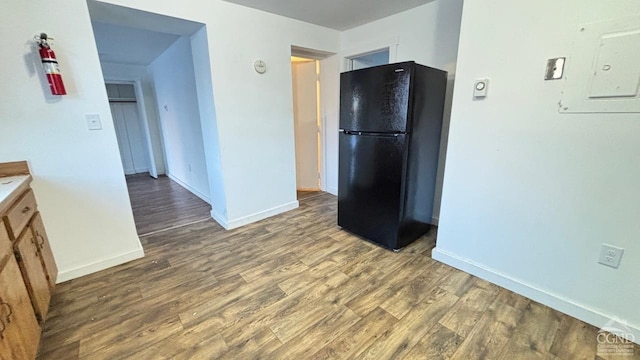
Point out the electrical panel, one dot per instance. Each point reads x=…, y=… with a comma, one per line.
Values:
x=603, y=72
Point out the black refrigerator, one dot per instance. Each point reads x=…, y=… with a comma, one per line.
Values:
x=389, y=141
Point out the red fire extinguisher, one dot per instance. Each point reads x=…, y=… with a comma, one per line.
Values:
x=50, y=65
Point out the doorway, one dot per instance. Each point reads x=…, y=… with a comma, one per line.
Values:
x=154, y=85
x=367, y=60
x=305, y=74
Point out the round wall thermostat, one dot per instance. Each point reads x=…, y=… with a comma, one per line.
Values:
x=260, y=66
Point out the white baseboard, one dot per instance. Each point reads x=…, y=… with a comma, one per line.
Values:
x=93, y=267
x=554, y=301
x=435, y=220
x=190, y=188
x=236, y=223
x=219, y=218
x=332, y=190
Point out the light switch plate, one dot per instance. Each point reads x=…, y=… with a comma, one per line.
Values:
x=93, y=121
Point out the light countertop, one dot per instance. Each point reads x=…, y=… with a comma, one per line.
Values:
x=9, y=185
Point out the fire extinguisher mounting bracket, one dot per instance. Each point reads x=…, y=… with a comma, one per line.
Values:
x=42, y=39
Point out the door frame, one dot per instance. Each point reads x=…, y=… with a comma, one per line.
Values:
x=370, y=47
x=319, y=134
x=320, y=57
x=137, y=87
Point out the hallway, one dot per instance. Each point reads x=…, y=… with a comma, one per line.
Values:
x=160, y=204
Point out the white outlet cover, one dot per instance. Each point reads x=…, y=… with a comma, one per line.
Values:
x=610, y=256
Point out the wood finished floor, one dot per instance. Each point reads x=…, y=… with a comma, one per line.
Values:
x=295, y=286
x=305, y=194
x=161, y=203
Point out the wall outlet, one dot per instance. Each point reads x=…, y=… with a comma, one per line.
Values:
x=611, y=255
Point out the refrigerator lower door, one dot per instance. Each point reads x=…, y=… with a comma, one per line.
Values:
x=370, y=186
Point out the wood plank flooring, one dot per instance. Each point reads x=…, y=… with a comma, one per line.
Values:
x=161, y=203
x=295, y=286
x=305, y=194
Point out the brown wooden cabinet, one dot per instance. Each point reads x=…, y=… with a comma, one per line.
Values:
x=20, y=214
x=20, y=332
x=35, y=278
x=42, y=241
x=28, y=270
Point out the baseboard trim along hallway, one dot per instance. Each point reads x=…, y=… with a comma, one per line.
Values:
x=245, y=220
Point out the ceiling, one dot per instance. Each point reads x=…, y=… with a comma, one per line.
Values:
x=128, y=17
x=125, y=45
x=334, y=14
x=129, y=36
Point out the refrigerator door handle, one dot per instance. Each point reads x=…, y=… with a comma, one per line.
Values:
x=364, y=133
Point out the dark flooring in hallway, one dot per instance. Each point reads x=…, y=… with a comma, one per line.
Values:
x=161, y=203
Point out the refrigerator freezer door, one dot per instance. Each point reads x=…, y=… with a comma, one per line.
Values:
x=376, y=99
x=370, y=186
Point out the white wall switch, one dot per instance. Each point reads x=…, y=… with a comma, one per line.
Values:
x=611, y=255
x=480, y=88
x=93, y=121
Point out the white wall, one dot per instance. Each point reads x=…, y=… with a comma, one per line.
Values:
x=78, y=176
x=428, y=35
x=530, y=194
x=209, y=123
x=255, y=112
x=175, y=88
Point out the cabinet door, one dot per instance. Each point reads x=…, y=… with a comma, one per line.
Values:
x=5, y=243
x=33, y=273
x=21, y=331
x=50, y=268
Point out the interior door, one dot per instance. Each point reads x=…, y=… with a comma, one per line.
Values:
x=123, y=138
x=131, y=140
x=305, y=114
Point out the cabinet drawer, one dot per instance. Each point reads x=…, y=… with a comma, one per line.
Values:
x=20, y=213
x=5, y=243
